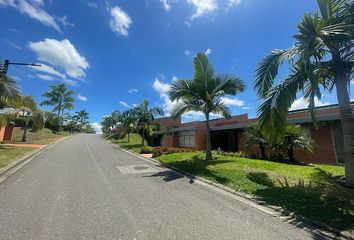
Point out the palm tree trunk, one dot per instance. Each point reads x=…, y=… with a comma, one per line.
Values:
x=143, y=138
x=291, y=154
x=24, y=136
x=129, y=135
x=263, y=154
x=347, y=120
x=208, y=154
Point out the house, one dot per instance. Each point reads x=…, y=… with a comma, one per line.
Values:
x=228, y=134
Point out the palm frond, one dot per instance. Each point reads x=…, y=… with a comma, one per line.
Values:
x=268, y=70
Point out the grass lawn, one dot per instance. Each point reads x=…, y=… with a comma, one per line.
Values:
x=308, y=190
x=9, y=154
x=134, y=144
x=44, y=136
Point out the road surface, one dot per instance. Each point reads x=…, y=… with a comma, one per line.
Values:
x=85, y=188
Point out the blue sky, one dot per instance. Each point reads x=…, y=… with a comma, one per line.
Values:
x=114, y=53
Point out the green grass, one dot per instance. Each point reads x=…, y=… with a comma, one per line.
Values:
x=9, y=154
x=308, y=190
x=44, y=136
x=134, y=143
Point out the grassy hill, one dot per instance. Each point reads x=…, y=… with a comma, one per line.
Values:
x=43, y=136
x=134, y=144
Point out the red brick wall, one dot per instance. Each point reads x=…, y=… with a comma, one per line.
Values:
x=168, y=122
x=6, y=133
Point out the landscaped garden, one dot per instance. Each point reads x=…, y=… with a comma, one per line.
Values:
x=311, y=191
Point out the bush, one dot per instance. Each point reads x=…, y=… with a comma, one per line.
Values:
x=158, y=151
x=232, y=154
x=146, y=150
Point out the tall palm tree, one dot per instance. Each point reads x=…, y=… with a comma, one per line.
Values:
x=253, y=136
x=82, y=118
x=60, y=97
x=8, y=90
x=28, y=111
x=321, y=57
x=204, y=93
x=128, y=121
x=144, y=116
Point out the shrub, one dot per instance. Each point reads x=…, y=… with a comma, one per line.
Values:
x=232, y=154
x=158, y=151
x=146, y=150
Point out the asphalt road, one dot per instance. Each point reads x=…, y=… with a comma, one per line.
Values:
x=83, y=189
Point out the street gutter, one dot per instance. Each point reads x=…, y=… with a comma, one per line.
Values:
x=276, y=211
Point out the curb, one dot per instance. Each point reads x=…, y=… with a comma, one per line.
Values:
x=248, y=199
x=16, y=165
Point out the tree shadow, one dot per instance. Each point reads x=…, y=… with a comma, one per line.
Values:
x=167, y=175
x=320, y=198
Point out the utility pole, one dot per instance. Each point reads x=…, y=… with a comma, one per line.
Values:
x=5, y=66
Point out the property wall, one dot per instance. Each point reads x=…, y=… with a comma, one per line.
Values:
x=2, y=133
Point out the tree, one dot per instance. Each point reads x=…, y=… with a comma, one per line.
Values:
x=128, y=121
x=28, y=111
x=204, y=94
x=253, y=136
x=8, y=90
x=145, y=116
x=82, y=118
x=321, y=57
x=111, y=121
x=61, y=98
x=294, y=138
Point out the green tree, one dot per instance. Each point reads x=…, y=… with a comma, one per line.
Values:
x=128, y=122
x=295, y=138
x=204, y=94
x=144, y=116
x=253, y=136
x=8, y=90
x=111, y=121
x=82, y=117
x=61, y=98
x=321, y=57
x=28, y=111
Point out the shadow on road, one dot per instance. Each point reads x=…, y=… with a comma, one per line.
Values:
x=167, y=176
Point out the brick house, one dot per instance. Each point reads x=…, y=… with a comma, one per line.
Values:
x=228, y=134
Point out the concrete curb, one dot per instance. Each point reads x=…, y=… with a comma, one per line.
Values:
x=252, y=201
x=16, y=165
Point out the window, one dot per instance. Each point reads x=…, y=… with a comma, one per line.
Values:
x=186, y=139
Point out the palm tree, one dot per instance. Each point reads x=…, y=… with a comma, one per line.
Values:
x=109, y=122
x=127, y=122
x=253, y=136
x=322, y=56
x=60, y=97
x=204, y=93
x=294, y=138
x=28, y=111
x=145, y=116
x=82, y=118
x=8, y=90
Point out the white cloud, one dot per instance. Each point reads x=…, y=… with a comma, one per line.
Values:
x=202, y=7
x=166, y=5
x=301, y=103
x=208, y=51
x=48, y=69
x=352, y=81
x=124, y=104
x=232, y=3
x=174, y=78
x=232, y=101
x=64, y=20
x=45, y=77
x=246, y=108
x=92, y=4
x=187, y=52
x=81, y=98
x=70, y=82
x=133, y=90
x=33, y=10
x=61, y=54
x=120, y=21
x=97, y=127
x=14, y=45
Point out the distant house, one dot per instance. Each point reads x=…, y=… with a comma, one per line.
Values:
x=228, y=133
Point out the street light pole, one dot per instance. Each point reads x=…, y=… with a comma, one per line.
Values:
x=7, y=62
